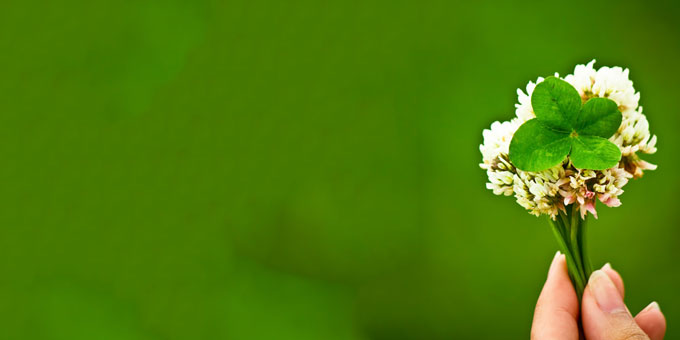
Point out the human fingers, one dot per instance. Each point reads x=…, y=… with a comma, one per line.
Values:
x=557, y=309
x=604, y=314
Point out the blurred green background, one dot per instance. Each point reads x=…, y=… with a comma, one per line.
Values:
x=302, y=169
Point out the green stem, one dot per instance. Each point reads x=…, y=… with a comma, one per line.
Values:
x=574, y=232
x=587, y=266
x=569, y=230
x=560, y=234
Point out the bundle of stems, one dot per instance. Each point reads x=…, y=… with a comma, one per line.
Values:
x=570, y=231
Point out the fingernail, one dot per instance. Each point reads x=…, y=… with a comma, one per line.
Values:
x=554, y=260
x=557, y=254
x=607, y=266
x=605, y=292
x=553, y=263
x=652, y=306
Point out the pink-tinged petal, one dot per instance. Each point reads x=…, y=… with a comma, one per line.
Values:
x=590, y=206
x=580, y=200
x=612, y=202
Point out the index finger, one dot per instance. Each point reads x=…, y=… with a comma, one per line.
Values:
x=557, y=310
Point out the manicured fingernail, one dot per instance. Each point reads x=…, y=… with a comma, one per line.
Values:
x=607, y=266
x=553, y=264
x=652, y=306
x=605, y=292
x=554, y=260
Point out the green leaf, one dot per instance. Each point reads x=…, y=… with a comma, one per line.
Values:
x=564, y=128
x=593, y=152
x=599, y=117
x=556, y=103
x=536, y=147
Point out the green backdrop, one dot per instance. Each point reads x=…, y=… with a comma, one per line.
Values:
x=302, y=169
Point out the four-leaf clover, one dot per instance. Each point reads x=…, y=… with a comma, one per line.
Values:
x=563, y=127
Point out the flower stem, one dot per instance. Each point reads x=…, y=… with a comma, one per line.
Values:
x=569, y=230
x=574, y=231
x=560, y=231
x=584, y=249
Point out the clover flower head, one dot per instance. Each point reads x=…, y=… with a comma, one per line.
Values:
x=607, y=82
x=538, y=192
x=549, y=191
x=496, y=141
x=523, y=109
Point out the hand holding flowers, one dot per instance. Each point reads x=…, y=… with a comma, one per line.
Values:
x=604, y=314
x=573, y=142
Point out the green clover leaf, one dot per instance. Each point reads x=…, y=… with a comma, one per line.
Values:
x=563, y=127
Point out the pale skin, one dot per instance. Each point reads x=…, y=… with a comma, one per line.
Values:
x=604, y=314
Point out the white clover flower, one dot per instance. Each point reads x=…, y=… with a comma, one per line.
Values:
x=549, y=191
x=612, y=83
x=538, y=192
x=501, y=182
x=495, y=156
x=497, y=140
x=584, y=186
x=633, y=135
x=523, y=110
x=635, y=166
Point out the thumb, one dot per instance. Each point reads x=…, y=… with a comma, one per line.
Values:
x=604, y=315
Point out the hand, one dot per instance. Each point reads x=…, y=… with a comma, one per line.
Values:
x=604, y=314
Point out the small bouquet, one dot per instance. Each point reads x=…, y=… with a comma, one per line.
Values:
x=574, y=141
